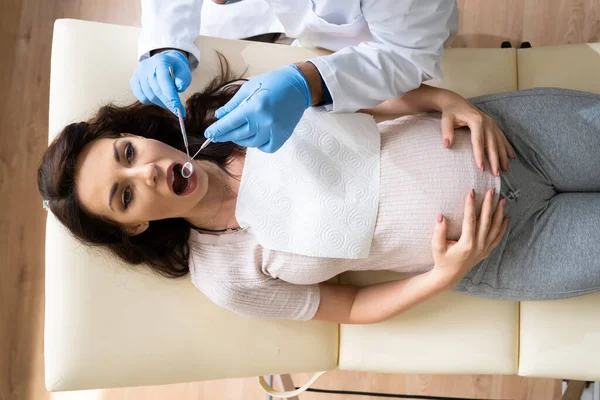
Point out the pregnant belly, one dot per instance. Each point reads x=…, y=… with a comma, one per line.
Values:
x=421, y=179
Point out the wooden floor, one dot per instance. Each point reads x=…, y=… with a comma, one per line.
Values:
x=25, y=44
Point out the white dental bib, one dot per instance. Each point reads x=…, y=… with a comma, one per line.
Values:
x=319, y=194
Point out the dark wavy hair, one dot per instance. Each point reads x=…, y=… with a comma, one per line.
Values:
x=164, y=244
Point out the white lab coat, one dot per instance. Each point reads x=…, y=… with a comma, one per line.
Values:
x=384, y=48
x=239, y=20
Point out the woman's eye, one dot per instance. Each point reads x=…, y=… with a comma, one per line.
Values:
x=129, y=152
x=127, y=196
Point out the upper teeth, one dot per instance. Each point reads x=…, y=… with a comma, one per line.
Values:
x=172, y=178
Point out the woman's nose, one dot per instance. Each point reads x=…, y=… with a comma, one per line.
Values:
x=147, y=173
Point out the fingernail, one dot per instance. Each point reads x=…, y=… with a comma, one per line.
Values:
x=482, y=167
x=497, y=173
x=504, y=201
x=446, y=143
x=472, y=193
x=493, y=191
x=440, y=218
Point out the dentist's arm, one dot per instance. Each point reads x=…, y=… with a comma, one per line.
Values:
x=169, y=29
x=408, y=47
x=170, y=24
x=266, y=109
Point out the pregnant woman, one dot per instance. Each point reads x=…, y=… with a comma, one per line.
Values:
x=442, y=212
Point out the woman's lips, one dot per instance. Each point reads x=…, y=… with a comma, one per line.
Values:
x=193, y=180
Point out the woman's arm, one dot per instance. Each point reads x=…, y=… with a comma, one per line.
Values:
x=457, y=112
x=425, y=98
x=347, y=304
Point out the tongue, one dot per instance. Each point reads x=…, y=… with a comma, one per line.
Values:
x=180, y=182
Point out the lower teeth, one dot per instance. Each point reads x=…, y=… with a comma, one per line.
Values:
x=187, y=185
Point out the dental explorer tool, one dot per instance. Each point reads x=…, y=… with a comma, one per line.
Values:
x=188, y=168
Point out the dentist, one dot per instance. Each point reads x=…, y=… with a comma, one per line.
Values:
x=383, y=49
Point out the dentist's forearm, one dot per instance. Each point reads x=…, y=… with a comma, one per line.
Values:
x=156, y=51
x=313, y=78
x=165, y=24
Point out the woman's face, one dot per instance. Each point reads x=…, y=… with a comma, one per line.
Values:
x=133, y=180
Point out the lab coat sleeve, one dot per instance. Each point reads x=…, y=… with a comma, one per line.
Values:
x=408, y=47
x=170, y=23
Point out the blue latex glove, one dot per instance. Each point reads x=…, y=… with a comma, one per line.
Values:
x=267, y=119
x=151, y=82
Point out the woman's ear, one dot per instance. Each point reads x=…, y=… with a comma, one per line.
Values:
x=136, y=229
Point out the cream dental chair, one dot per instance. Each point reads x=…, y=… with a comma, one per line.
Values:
x=109, y=325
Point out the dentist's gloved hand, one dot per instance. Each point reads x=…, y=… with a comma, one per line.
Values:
x=266, y=120
x=151, y=82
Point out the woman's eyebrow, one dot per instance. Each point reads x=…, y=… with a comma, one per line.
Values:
x=113, y=190
x=115, y=186
x=116, y=152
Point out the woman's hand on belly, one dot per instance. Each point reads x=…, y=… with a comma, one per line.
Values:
x=486, y=135
x=346, y=304
x=457, y=112
x=453, y=259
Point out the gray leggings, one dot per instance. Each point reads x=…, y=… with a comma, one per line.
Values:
x=552, y=246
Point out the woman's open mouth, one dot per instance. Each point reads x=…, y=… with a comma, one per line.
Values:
x=179, y=185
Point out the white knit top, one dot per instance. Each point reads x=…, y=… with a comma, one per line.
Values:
x=419, y=179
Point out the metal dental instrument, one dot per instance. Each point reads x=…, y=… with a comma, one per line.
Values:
x=188, y=168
